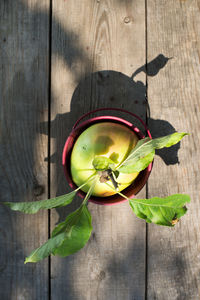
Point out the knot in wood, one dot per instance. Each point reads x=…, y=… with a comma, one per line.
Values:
x=127, y=20
x=38, y=190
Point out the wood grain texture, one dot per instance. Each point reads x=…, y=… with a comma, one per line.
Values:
x=23, y=172
x=96, y=47
x=173, y=254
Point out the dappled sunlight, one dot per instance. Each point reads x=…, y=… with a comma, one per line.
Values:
x=37, y=5
x=62, y=85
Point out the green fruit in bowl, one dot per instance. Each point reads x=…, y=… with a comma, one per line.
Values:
x=107, y=139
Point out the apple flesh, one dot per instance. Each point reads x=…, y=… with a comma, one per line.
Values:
x=109, y=139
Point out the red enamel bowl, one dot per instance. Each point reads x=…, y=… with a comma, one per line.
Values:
x=77, y=129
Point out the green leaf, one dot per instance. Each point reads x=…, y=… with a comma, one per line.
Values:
x=162, y=211
x=79, y=231
x=142, y=155
x=101, y=163
x=46, y=249
x=35, y=206
x=139, y=165
x=68, y=237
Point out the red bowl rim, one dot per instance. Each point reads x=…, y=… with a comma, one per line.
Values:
x=111, y=200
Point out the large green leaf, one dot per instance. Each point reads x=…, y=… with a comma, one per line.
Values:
x=68, y=237
x=79, y=229
x=162, y=211
x=34, y=206
x=142, y=155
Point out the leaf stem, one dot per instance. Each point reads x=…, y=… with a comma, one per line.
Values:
x=89, y=191
x=89, y=179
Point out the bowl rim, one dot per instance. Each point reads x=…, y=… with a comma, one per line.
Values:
x=137, y=184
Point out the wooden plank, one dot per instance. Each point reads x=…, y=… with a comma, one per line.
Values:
x=173, y=254
x=23, y=172
x=108, y=37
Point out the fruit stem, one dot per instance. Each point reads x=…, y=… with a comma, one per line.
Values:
x=114, y=182
x=122, y=195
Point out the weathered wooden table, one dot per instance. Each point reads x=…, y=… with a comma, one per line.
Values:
x=58, y=60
